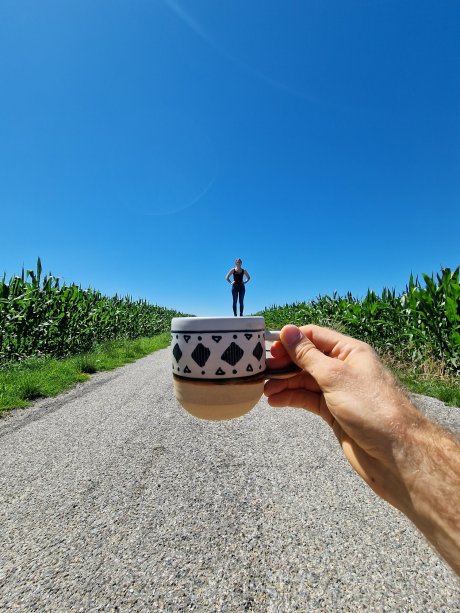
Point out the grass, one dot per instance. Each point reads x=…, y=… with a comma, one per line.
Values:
x=429, y=378
x=447, y=390
x=22, y=383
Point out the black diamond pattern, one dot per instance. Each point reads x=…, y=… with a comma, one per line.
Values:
x=258, y=351
x=232, y=354
x=201, y=354
x=177, y=353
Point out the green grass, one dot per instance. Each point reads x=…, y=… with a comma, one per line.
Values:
x=446, y=390
x=23, y=382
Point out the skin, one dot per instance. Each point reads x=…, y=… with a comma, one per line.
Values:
x=238, y=266
x=405, y=458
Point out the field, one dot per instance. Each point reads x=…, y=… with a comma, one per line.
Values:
x=417, y=333
x=53, y=335
x=422, y=324
x=40, y=317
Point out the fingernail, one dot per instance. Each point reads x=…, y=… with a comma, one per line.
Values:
x=291, y=335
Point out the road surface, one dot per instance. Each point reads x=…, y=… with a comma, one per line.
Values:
x=113, y=498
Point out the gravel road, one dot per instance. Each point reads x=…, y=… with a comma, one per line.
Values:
x=115, y=499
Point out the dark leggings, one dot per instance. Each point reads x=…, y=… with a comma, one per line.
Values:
x=238, y=291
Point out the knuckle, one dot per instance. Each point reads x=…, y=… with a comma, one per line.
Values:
x=303, y=351
x=364, y=347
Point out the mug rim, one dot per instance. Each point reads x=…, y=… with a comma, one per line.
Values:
x=254, y=323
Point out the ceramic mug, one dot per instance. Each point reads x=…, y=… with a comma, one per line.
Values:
x=218, y=364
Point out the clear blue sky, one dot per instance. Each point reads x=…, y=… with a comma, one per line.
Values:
x=145, y=144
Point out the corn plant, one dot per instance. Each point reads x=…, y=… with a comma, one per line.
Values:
x=434, y=314
x=39, y=316
x=422, y=322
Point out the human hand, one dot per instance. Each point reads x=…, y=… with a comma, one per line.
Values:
x=345, y=383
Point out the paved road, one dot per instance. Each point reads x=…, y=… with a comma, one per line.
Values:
x=115, y=499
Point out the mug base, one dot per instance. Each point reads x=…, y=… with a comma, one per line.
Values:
x=218, y=402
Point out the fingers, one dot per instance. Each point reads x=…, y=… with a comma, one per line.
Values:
x=280, y=362
x=328, y=341
x=302, y=399
x=295, y=345
x=296, y=398
x=277, y=350
x=303, y=352
x=324, y=339
x=301, y=380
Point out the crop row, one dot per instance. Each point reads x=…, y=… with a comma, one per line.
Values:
x=422, y=322
x=39, y=316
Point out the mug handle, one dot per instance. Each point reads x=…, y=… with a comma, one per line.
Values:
x=280, y=373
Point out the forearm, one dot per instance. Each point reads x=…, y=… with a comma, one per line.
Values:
x=429, y=472
x=407, y=460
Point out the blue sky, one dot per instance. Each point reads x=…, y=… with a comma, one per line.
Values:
x=145, y=144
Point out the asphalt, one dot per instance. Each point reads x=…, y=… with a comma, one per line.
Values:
x=113, y=498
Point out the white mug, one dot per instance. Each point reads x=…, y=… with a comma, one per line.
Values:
x=219, y=366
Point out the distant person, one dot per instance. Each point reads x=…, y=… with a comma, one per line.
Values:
x=238, y=285
x=407, y=460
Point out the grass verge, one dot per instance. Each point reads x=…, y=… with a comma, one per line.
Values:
x=24, y=382
x=428, y=378
x=447, y=390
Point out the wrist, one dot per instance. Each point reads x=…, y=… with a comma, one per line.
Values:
x=395, y=445
x=407, y=454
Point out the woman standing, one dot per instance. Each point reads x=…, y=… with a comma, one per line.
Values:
x=238, y=284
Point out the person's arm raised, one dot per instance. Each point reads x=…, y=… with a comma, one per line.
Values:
x=405, y=458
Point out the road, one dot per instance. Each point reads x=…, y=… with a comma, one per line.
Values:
x=115, y=499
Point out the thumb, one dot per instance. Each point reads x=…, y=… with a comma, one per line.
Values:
x=303, y=352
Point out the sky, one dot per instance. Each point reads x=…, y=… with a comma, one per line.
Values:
x=147, y=144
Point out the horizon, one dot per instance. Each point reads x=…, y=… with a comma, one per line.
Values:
x=418, y=278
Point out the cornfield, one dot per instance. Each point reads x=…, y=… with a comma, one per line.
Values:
x=421, y=323
x=39, y=316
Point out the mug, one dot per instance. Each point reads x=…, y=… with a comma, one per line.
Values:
x=218, y=364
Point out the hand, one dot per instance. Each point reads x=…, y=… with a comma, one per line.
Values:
x=345, y=383
x=406, y=459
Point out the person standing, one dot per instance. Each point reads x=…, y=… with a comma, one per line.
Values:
x=238, y=285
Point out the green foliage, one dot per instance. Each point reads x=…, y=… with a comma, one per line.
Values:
x=423, y=322
x=39, y=316
x=447, y=390
x=434, y=313
x=32, y=378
